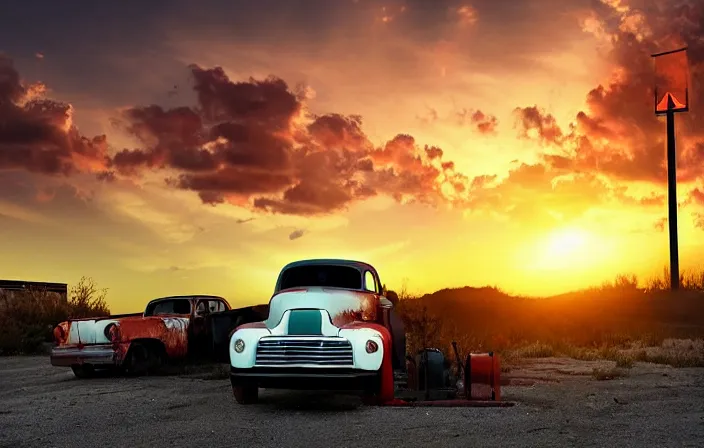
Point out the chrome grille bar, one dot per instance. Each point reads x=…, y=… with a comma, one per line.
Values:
x=297, y=351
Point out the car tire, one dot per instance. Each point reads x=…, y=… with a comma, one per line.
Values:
x=139, y=359
x=246, y=394
x=372, y=395
x=83, y=371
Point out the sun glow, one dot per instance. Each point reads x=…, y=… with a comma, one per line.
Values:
x=566, y=244
x=567, y=249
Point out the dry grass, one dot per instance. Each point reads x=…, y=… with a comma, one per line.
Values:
x=673, y=352
x=27, y=318
x=621, y=321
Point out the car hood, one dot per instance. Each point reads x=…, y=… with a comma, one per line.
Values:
x=344, y=306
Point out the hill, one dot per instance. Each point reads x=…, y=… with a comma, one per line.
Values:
x=619, y=315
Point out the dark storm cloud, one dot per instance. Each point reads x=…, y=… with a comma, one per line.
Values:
x=38, y=135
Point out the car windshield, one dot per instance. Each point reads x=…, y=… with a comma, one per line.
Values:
x=334, y=276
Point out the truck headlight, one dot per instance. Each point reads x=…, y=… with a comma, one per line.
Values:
x=239, y=346
x=372, y=346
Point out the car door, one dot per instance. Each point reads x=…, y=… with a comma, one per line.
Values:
x=199, y=337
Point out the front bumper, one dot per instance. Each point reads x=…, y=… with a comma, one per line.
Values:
x=307, y=378
x=99, y=355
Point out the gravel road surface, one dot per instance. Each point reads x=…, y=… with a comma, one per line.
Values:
x=559, y=404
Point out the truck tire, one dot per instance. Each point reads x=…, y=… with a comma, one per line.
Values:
x=83, y=371
x=246, y=394
x=144, y=358
x=372, y=396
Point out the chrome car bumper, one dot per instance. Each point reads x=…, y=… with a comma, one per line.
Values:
x=101, y=354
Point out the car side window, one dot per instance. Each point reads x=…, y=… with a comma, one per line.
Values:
x=369, y=282
x=166, y=307
x=202, y=307
x=216, y=306
x=177, y=306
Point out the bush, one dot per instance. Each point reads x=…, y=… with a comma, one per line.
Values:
x=595, y=323
x=27, y=318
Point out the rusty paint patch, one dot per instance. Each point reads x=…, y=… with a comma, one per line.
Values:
x=369, y=310
x=170, y=331
x=61, y=333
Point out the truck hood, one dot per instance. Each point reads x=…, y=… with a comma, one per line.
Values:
x=344, y=306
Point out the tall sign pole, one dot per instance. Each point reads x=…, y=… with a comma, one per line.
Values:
x=672, y=199
x=672, y=96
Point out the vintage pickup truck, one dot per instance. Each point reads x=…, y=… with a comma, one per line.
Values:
x=332, y=327
x=329, y=327
x=175, y=328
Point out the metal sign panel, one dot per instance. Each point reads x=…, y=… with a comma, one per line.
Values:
x=671, y=81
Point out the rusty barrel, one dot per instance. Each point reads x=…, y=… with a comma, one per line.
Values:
x=482, y=377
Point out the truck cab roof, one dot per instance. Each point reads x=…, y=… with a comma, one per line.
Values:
x=330, y=272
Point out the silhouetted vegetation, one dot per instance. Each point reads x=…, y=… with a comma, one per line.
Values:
x=619, y=321
x=27, y=318
x=622, y=321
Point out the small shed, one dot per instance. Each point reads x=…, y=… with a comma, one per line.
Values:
x=13, y=286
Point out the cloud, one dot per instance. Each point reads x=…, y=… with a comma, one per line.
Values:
x=538, y=194
x=479, y=121
x=466, y=14
x=698, y=220
x=254, y=144
x=38, y=134
x=618, y=134
x=298, y=233
x=697, y=196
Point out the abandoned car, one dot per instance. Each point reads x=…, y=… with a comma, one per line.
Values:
x=170, y=329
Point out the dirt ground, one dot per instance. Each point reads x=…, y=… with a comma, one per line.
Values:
x=559, y=404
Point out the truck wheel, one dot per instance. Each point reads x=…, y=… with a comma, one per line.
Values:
x=370, y=396
x=246, y=394
x=140, y=359
x=83, y=371
x=370, y=399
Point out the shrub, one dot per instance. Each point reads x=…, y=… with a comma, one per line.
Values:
x=604, y=322
x=27, y=318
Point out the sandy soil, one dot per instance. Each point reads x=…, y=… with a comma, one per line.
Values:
x=559, y=404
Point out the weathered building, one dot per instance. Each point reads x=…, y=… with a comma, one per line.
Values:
x=14, y=286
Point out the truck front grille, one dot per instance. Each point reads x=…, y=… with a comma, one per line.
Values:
x=299, y=351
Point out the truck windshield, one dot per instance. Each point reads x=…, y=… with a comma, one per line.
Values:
x=334, y=276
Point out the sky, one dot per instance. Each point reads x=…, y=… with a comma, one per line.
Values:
x=174, y=147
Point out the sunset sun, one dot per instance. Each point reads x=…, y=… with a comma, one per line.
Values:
x=565, y=244
x=568, y=249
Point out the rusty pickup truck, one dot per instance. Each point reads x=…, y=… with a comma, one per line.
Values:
x=176, y=328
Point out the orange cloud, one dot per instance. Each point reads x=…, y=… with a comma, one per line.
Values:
x=466, y=14
x=481, y=122
x=618, y=133
x=38, y=135
x=253, y=144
